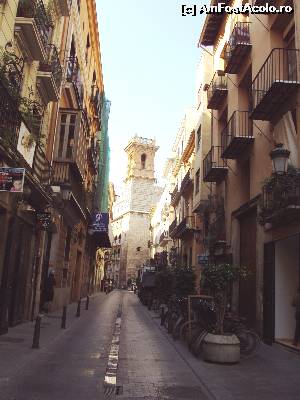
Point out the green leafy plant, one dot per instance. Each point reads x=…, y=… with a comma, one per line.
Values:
x=164, y=284
x=176, y=281
x=219, y=279
x=184, y=281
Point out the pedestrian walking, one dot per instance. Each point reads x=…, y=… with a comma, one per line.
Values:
x=49, y=290
x=296, y=304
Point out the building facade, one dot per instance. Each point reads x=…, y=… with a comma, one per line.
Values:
x=131, y=211
x=252, y=214
x=52, y=95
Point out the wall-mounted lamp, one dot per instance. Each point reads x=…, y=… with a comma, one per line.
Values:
x=280, y=157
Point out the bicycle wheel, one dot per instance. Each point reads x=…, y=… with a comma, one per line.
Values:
x=167, y=316
x=249, y=341
x=196, y=346
x=177, y=326
x=184, y=330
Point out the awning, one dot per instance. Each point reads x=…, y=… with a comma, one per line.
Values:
x=212, y=25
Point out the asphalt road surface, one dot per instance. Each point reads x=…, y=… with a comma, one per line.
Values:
x=116, y=350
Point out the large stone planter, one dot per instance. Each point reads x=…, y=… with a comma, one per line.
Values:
x=222, y=349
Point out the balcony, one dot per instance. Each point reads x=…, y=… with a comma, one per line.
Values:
x=92, y=156
x=186, y=183
x=10, y=118
x=187, y=226
x=175, y=196
x=214, y=166
x=237, y=135
x=217, y=91
x=281, y=199
x=172, y=228
x=33, y=28
x=237, y=47
x=215, y=234
x=41, y=167
x=274, y=84
x=74, y=84
x=96, y=100
x=50, y=75
x=64, y=7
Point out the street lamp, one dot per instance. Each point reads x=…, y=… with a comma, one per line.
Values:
x=280, y=157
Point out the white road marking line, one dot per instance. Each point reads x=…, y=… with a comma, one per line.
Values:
x=110, y=379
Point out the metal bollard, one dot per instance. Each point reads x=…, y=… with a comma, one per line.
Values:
x=78, y=308
x=36, y=333
x=162, y=316
x=64, y=318
x=87, y=303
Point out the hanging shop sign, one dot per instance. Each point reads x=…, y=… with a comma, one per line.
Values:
x=12, y=179
x=100, y=222
x=44, y=219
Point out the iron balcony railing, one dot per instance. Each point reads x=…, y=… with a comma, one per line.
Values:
x=10, y=117
x=188, y=224
x=73, y=76
x=282, y=196
x=213, y=164
x=52, y=64
x=236, y=134
x=274, y=82
x=96, y=99
x=11, y=71
x=41, y=167
x=175, y=195
x=186, y=182
x=35, y=9
x=216, y=90
x=173, y=226
x=237, y=46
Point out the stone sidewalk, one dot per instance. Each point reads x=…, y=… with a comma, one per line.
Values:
x=16, y=346
x=273, y=373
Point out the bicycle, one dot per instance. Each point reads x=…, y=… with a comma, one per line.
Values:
x=249, y=339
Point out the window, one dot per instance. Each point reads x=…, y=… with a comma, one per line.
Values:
x=198, y=138
x=197, y=181
x=78, y=5
x=67, y=134
x=143, y=161
x=138, y=249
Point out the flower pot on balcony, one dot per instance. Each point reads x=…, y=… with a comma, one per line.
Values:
x=221, y=349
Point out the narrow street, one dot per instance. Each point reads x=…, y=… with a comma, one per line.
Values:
x=73, y=365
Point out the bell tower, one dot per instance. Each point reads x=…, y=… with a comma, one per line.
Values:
x=141, y=153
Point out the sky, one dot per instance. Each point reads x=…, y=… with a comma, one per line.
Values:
x=149, y=60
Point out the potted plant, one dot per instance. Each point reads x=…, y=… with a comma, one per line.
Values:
x=220, y=346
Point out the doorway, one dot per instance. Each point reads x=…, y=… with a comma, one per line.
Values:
x=281, y=280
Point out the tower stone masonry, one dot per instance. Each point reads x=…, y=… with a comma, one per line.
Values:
x=131, y=212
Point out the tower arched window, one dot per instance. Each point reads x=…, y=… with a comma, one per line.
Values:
x=143, y=161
